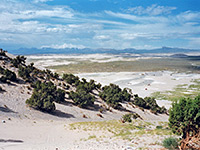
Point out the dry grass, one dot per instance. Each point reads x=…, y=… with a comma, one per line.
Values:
x=127, y=66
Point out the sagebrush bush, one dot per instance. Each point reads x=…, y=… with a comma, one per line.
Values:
x=113, y=95
x=81, y=98
x=149, y=103
x=7, y=75
x=44, y=95
x=170, y=143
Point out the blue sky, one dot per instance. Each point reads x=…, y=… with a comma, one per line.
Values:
x=140, y=24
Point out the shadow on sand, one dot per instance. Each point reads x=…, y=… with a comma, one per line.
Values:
x=10, y=141
x=6, y=109
x=61, y=114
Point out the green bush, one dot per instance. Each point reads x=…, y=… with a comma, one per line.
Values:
x=2, y=52
x=82, y=98
x=184, y=119
x=130, y=116
x=127, y=118
x=25, y=72
x=149, y=103
x=19, y=60
x=70, y=78
x=159, y=127
x=59, y=96
x=87, y=86
x=10, y=75
x=4, y=79
x=170, y=143
x=7, y=75
x=113, y=95
x=44, y=95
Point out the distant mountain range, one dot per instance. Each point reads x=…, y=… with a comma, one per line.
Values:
x=31, y=51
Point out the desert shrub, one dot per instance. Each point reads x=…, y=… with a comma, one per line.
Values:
x=184, y=120
x=113, y=95
x=70, y=78
x=159, y=127
x=82, y=98
x=44, y=95
x=170, y=143
x=25, y=72
x=3, y=79
x=149, y=103
x=59, y=95
x=10, y=75
x=7, y=75
x=2, y=52
x=86, y=86
x=56, y=75
x=18, y=61
x=1, y=70
x=129, y=117
x=139, y=101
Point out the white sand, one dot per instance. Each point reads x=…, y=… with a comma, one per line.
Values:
x=41, y=131
x=143, y=83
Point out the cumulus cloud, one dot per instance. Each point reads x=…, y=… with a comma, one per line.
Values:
x=34, y=25
x=151, y=10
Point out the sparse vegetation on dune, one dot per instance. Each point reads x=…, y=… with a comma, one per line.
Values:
x=184, y=90
x=126, y=131
x=45, y=92
x=47, y=89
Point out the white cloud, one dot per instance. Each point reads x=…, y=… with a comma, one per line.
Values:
x=41, y=1
x=34, y=25
x=63, y=46
x=102, y=37
x=140, y=19
x=188, y=16
x=151, y=10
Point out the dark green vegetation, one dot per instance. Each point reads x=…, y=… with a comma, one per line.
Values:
x=170, y=143
x=113, y=95
x=155, y=64
x=149, y=103
x=129, y=117
x=44, y=94
x=184, y=120
x=7, y=75
x=1, y=89
x=81, y=98
x=19, y=60
x=70, y=78
x=24, y=72
x=2, y=52
x=83, y=93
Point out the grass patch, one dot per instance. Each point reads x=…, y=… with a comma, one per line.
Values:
x=157, y=64
x=120, y=130
x=154, y=132
x=179, y=91
x=92, y=137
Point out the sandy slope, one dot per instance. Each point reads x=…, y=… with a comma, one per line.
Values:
x=35, y=130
